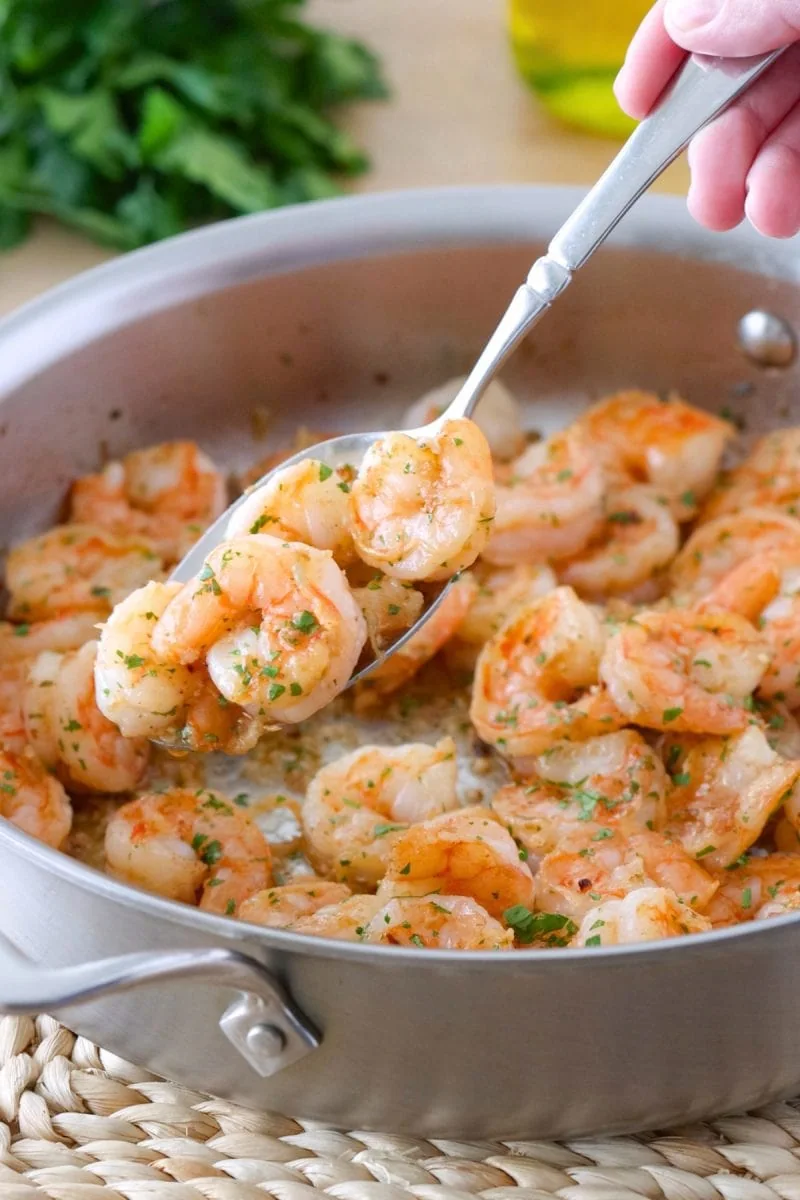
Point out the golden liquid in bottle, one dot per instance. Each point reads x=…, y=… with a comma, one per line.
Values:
x=569, y=51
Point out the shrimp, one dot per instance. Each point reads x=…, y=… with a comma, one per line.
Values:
x=358, y=806
x=646, y=914
x=187, y=845
x=535, y=680
x=347, y=921
x=685, y=672
x=768, y=477
x=279, y=907
x=779, y=623
x=422, y=510
x=614, y=782
x=670, y=445
x=744, y=890
x=67, y=632
x=68, y=731
x=19, y=647
x=462, y=853
x=33, y=800
x=303, y=439
x=570, y=881
x=724, y=790
x=638, y=538
x=389, y=608
x=145, y=696
x=169, y=493
x=551, y=505
x=305, y=503
x=76, y=568
x=717, y=548
x=419, y=649
x=275, y=623
x=501, y=592
x=438, y=923
x=497, y=415
x=779, y=907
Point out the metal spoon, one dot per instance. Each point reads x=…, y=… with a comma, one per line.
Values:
x=699, y=91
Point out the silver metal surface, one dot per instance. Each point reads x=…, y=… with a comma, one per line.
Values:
x=338, y=316
x=262, y=1023
x=700, y=90
x=767, y=340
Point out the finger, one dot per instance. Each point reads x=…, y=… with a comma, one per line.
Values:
x=721, y=155
x=651, y=61
x=732, y=27
x=773, y=183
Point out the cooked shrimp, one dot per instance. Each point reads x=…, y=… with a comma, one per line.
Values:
x=422, y=510
x=305, y=503
x=419, y=649
x=779, y=622
x=358, y=806
x=145, y=696
x=683, y=671
x=534, y=681
x=744, y=890
x=390, y=607
x=779, y=907
x=614, y=782
x=68, y=731
x=636, y=540
x=19, y=647
x=669, y=444
x=438, y=923
x=646, y=914
x=768, y=477
x=462, y=853
x=279, y=907
x=189, y=845
x=275, y=622
x=33, y=800
x=552, y=503
x=573, y=879
x=346, y=921
x=501, y=592
x=746, y=589
x=67, y=632
x=76, y=568
x=304, y=438
x=715, y=549
x=724, y=790
x=169, y=493
x=497, y=415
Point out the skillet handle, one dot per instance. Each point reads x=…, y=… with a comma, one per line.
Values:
x=262, y=1023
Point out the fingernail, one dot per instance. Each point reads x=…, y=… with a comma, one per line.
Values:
x=688, y=15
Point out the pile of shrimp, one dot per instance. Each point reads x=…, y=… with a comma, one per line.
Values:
x=625, y=624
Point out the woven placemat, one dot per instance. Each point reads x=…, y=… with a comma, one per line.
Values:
x=78, y=1123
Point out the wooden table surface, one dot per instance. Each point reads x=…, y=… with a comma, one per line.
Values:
x=458, y=114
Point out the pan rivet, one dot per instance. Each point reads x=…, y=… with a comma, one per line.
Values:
x=266, y=1040
x=766, y=339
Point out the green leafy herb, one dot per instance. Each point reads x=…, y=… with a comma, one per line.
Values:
x=324, y=472
x=529, y=926
x=133, y=121
x=305, y=621
x=671, y=714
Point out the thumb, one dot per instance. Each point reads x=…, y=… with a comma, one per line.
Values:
x=735, y=28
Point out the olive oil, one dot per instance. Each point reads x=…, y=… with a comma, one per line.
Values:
x=569, y=51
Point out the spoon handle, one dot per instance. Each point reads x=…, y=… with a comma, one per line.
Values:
x=699, y=91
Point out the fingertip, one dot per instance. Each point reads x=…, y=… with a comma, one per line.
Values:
x=719, y=214
x=629, y=94
x=772, y=205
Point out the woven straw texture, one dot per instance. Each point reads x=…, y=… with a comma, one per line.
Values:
x=77, y=1123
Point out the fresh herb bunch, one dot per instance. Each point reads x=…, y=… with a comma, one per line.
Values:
x=135, y=119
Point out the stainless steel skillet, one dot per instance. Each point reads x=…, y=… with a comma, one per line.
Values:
x=322, y=316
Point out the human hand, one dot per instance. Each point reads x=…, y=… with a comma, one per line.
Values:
x=747, y=163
